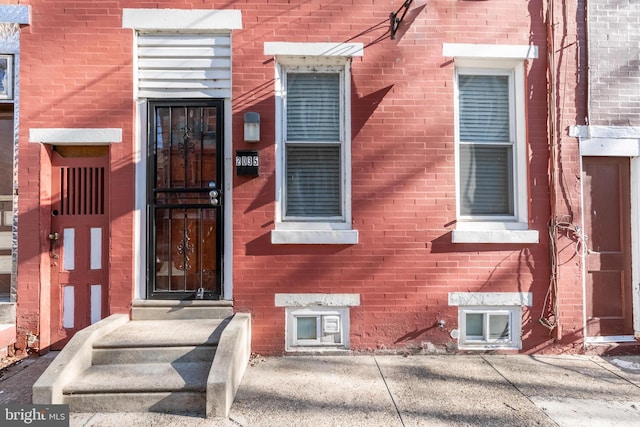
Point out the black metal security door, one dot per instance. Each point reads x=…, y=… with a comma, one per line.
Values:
x=185, y=200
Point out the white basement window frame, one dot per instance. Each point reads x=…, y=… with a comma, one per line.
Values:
x=504, y=62
x=490, y=307
x=489, y=328
x=317, y=328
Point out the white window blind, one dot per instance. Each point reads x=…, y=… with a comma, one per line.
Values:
x=313, y=146
x=485, y=167
x=313, y=107
x=313, y=181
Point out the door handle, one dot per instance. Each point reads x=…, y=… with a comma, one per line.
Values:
x=54, y=239
x=214, y=197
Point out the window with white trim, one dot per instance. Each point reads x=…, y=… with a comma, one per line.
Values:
x=491, y=143
x=314, y=144
x=313, y=151
x=486, y=145
x=489, y=327
x=317, y=328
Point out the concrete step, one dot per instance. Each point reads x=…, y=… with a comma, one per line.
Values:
x=122, y=365
x=156, y=387
x=164, y=333
x=172, y=309
x=7, y=312
x=148, y=365
x=136, y=377
x=7, y=338
x=118, y=356
x=166, y=402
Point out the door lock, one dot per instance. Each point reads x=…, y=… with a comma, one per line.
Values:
x=214, y=197
x=54, y=240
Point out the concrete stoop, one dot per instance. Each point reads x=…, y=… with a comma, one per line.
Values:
x=179, y=359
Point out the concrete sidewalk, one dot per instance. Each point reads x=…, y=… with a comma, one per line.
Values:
x=440, y=391
x=478, y=390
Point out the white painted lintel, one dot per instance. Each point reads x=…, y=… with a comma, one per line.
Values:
x=75, y=136
x=615, y=147
x=323, y=300
x=610, y=132
x=15, y=14
x=181, y=19
x=486, y=51
x=313, y=49
x=490, y=299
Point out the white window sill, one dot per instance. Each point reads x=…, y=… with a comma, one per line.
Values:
x=314, y=237
x=494, y=236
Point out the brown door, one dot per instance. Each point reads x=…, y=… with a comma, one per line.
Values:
x=78, y=240
x=185, y=200
x=607, y=216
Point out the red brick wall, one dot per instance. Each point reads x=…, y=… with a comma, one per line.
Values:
x=570, y=85
x=403, y=174
x=77, y=72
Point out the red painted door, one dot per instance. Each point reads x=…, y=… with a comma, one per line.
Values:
x=78, y=241
x=607, y=213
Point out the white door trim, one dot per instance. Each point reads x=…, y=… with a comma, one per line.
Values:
x=140, y=212
x=635, y=242
x=615, y=141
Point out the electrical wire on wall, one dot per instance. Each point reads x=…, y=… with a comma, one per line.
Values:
x=558, y=187
x=549, y=315
x=557, y=228
x=563, y=207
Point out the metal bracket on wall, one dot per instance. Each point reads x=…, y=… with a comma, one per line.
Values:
x=394, y=21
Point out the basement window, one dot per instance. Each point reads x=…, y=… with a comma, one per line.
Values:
x=317, y=328
x=490, y=327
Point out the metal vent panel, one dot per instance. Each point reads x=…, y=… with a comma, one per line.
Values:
x=82, y=191
x=184, y=65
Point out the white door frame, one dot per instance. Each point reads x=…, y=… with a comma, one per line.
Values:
x=140, y=211
x=615, y=141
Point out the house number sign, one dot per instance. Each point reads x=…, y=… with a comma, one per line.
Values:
x=247, y=163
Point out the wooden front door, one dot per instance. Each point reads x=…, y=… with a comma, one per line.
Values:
x=185, y=200
x=78, y=240
x=607, y=213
